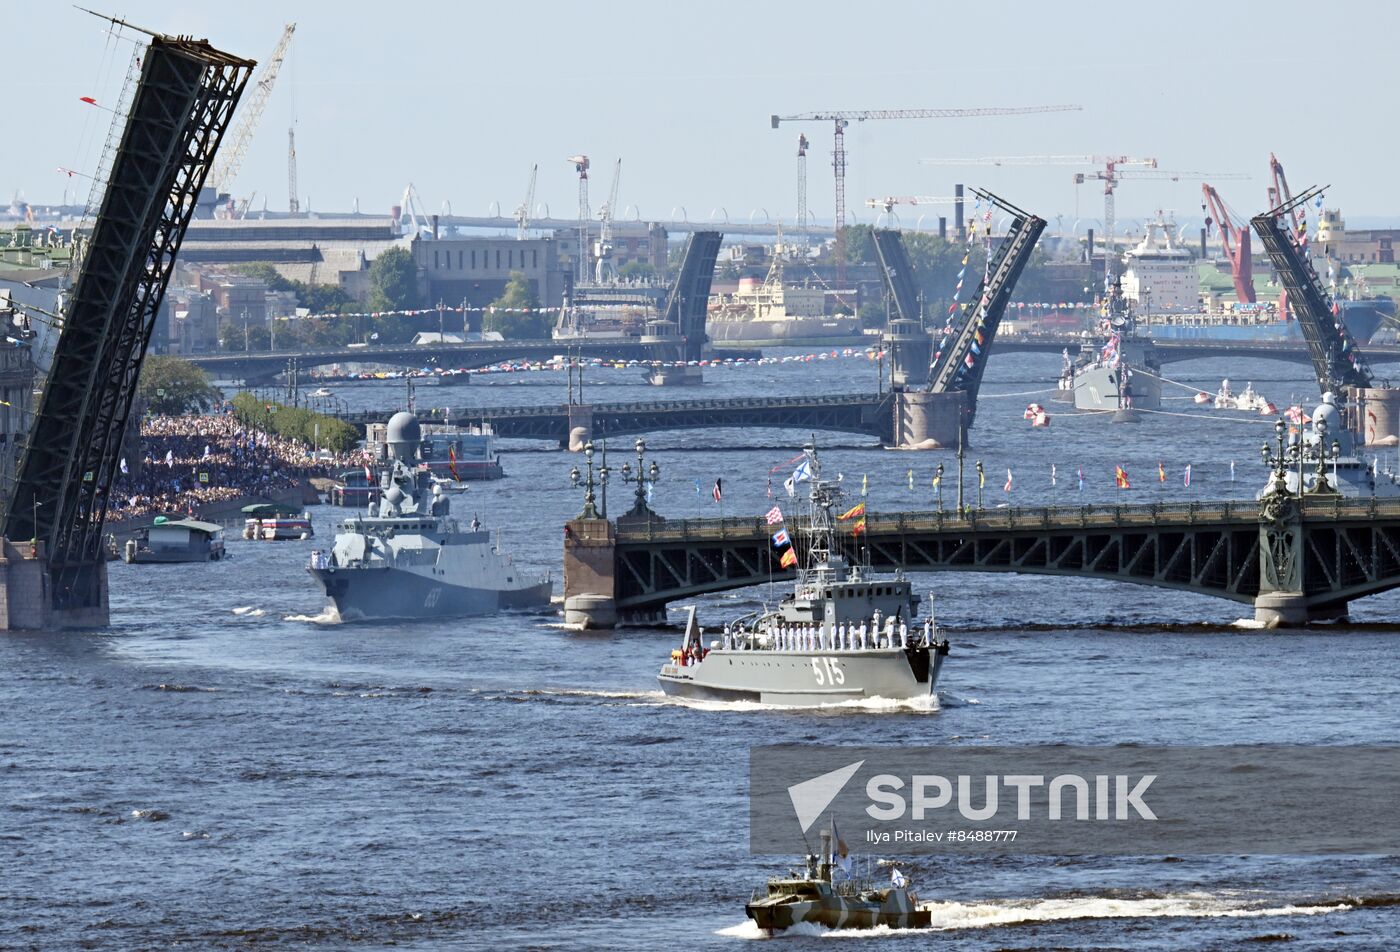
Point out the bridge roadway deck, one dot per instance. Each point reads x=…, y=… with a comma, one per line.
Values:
x=267, y=364
x=259, y=364
x=1349, y=549
x=850, y=413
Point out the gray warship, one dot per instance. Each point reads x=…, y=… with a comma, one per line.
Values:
x=843, y=634
x=1123, y=373
x=817, y=896
x=408, y=558
x=1322, y=454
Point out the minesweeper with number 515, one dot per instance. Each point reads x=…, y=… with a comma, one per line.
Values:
x=843, y=633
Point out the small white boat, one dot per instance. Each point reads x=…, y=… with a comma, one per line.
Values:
x=321, y=392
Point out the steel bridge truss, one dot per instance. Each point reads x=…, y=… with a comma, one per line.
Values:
x=1209, y=550
x=960, y=359
x=898, y=272
x=181, y=108
x=689, y=300
x=1336, y=359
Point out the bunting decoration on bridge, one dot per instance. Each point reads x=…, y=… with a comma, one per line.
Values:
x=1007, y=488
x=718, y=491
x=1161, y=472
x=1053, y=480
x=1081, y=479
x=1120, y=478
x=1186, y=477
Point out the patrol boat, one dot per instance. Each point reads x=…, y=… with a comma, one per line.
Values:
x=1121, y=374
x=408, y=558
x=815, y=896
x=843, y=634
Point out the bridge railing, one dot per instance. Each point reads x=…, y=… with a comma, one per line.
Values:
x=1236, y=512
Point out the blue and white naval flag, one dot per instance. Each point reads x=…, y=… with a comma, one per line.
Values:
x=897, y=879
x=125, y=471
x=780, y=538
x=802, y=472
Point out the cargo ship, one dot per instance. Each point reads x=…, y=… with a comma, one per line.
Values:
x=775, y=313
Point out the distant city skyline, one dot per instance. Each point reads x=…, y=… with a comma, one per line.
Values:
x=462, y=101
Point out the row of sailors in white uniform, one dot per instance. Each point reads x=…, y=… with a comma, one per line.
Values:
x=842, y=638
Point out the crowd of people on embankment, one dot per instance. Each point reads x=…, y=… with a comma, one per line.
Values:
x=190, y=462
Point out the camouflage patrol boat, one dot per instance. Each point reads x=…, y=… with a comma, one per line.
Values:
x=826, y=894
x=843, y=634
x=406, y=557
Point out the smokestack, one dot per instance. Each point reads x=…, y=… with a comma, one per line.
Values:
x=1089, y=254
x=943, y=227
x=958, y=212
x=1203, y=244
x=435, y=227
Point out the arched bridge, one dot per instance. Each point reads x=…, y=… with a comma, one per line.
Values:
x=1296, y=561
x=850, y=413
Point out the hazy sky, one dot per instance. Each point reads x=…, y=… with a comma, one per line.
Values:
x=461, y=99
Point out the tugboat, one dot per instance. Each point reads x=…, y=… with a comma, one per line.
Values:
x=816, y=896
x=1123, y=373
x=407, y=558
x=843, y=634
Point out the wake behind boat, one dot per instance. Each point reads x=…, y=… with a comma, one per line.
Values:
x=407, y=558
x=843, y=634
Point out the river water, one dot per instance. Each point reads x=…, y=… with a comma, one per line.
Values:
x=217, y=770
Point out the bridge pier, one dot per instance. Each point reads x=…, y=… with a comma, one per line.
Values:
x=27, y=597
x=928, y=421
x=580, y=428
x=590, y=547
x=911, y=349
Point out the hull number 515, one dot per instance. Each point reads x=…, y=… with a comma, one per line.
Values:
x=828, y=671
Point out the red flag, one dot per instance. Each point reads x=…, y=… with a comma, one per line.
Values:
x=789, y=559
x=87, y=99
x=1120, y=478
x=452, y=460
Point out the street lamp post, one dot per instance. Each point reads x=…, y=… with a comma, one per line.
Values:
x=645, y=478
x=981, y=478
x=1280, y=461
x=938, y=486
x=590, y=510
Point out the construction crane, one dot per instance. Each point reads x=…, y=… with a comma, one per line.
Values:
x=802, y=189
x=843, y=118
x=293, y=205
x=1235, y=241
x=235, y=146
x=580, y=163
x=890, y=201
x=1280, y=196
x=522, y=212
x=1115, y=169
x=602, y=251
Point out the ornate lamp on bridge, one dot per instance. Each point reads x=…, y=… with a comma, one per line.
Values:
x=590, y=509
x=645, y=478
x=1281, y=459
x=1321, y=485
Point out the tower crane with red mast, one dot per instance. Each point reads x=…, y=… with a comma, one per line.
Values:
x=843, y=118
x=1235, y=241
